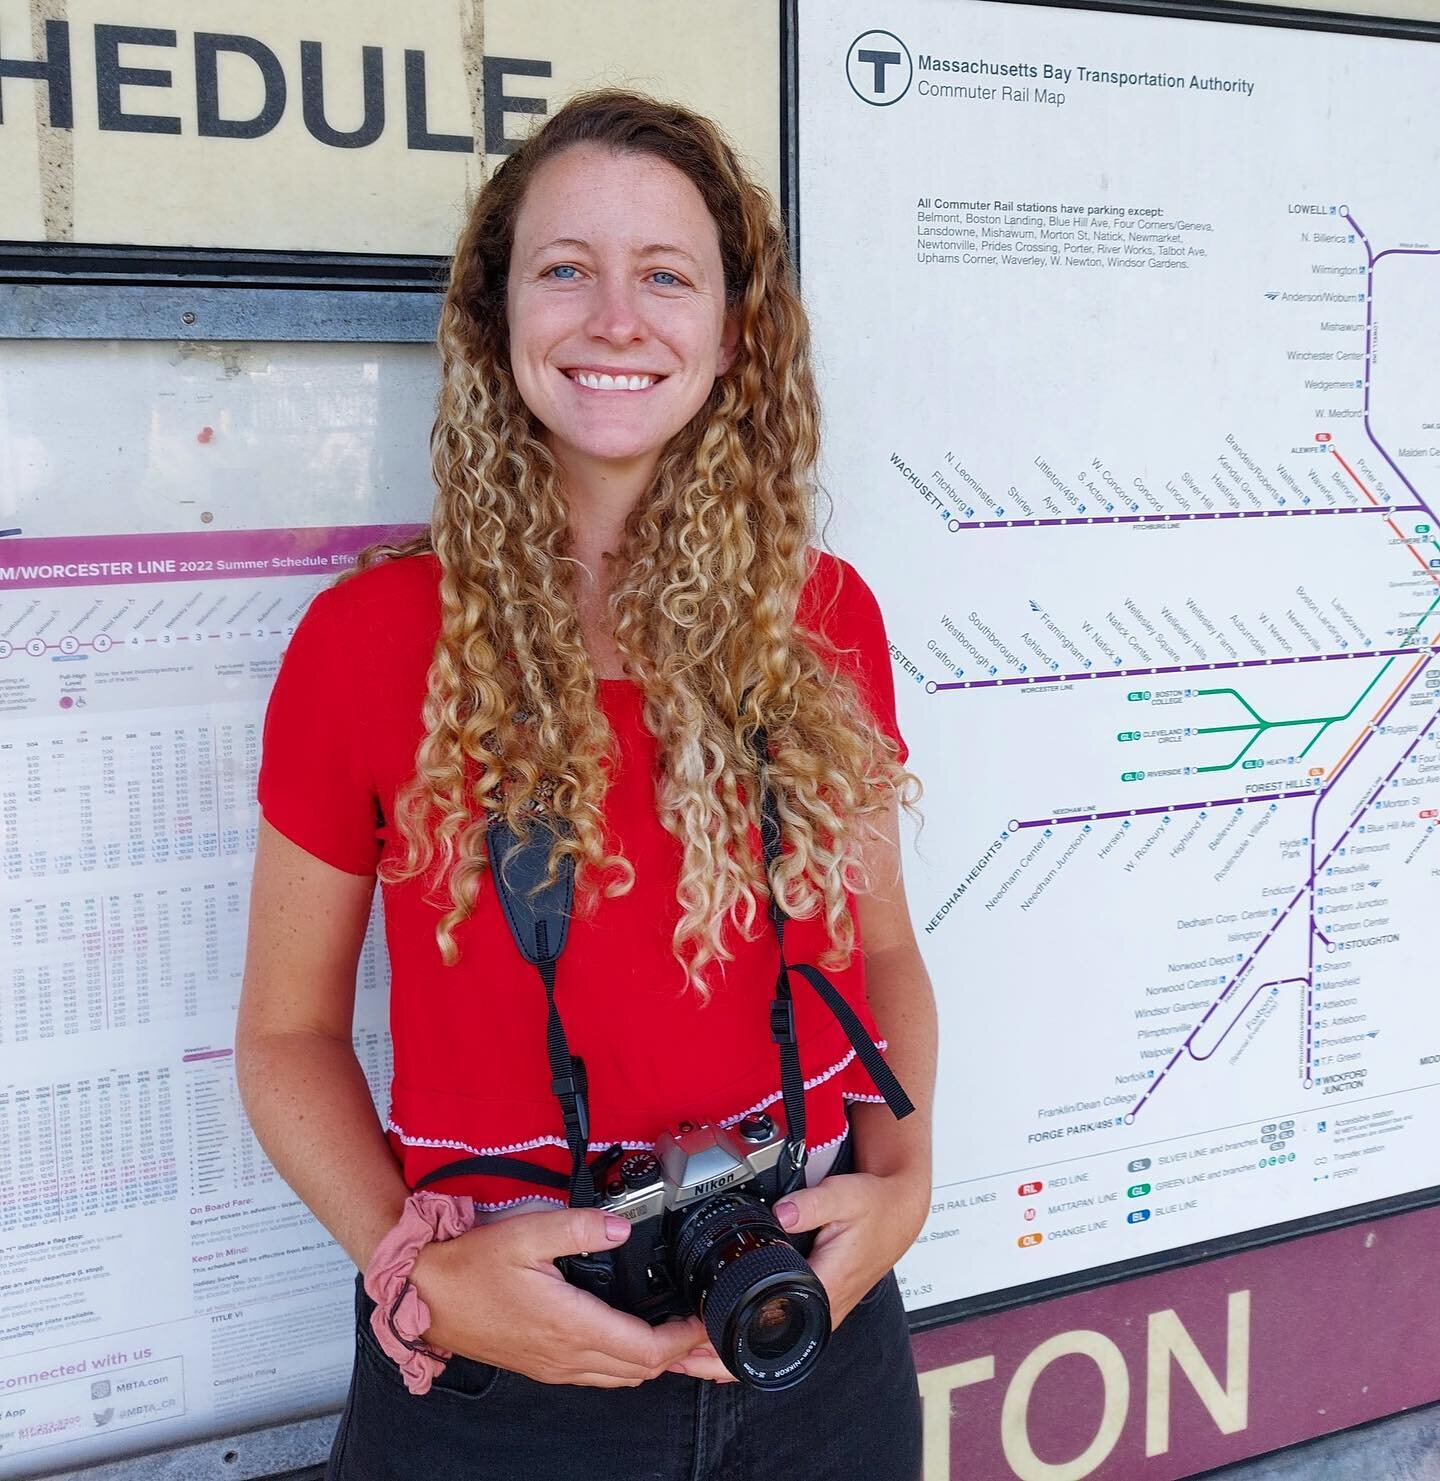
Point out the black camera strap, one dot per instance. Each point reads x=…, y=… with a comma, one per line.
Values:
x=782, y=1008
x=539, y=915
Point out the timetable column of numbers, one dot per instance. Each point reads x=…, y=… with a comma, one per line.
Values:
x=86, y=800
x=225, y=1154
x=92, y=1145
x=117, y=959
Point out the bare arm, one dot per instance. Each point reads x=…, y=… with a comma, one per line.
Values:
x=903, y=1002
x=495, y=1293
x=302, y=1087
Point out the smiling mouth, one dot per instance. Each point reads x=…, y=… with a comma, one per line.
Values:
x=599, y=381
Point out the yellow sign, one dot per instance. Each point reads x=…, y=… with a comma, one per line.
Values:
x=336, y=126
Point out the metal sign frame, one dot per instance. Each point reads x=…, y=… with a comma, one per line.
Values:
x=120, y=292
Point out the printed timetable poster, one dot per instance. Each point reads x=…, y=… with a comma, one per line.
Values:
x=1126, y=328
x=158, y=1281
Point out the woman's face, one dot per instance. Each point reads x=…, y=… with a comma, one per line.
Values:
x=616, y=305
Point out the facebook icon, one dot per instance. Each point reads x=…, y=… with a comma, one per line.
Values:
x=879, y=68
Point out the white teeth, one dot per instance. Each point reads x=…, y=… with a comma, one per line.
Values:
x=597, y=382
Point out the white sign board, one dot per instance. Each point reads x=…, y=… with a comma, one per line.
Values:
x=1127, y=329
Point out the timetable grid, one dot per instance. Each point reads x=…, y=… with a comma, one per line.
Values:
x=83, y=963
x=79, y=1148
x=85, y=801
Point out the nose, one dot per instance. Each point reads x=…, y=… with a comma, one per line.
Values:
x=615, y=314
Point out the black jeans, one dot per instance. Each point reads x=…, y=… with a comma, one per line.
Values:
x=856, y=1416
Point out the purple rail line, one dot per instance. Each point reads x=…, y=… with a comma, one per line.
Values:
x=1384, y=782
x=1308, y=886
x=1240, y=1013
x=1140, y=812
x=1176, y=668
x=1178, y=516
x=1185, y=1047
x=1373, y=257
x=1308, y=1077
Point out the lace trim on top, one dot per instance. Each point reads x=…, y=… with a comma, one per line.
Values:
x=409, y=1139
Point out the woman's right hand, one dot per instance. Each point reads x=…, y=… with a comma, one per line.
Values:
x=496, y=1295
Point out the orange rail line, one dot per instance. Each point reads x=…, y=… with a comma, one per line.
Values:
x=1424, y=564
x=1433, y=575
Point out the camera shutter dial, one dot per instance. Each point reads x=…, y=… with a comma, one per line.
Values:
x=638, y=1169
x=758, y=1128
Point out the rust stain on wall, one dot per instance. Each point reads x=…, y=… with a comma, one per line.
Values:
x=233, y=358
x=472, y=43
x=56, y=147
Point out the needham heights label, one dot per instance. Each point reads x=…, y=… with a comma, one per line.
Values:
x=358, y=127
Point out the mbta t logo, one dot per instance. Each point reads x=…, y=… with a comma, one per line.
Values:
x=879, y=68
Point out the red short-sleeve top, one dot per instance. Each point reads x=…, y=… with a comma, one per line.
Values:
x=470, y=1068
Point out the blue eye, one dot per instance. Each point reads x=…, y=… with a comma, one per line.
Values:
x=563, y=267
x=663, y=273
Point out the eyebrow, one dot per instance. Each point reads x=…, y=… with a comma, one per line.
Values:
x=644, y=251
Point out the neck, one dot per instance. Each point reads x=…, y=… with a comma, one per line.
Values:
x=601, y=493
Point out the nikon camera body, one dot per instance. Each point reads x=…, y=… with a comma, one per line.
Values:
x=705, y=1241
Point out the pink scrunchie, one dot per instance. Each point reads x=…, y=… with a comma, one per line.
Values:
x=400, y=1316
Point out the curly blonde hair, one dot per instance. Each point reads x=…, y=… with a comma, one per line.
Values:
x=703, y=605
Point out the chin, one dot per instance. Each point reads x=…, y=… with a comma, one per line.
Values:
x=627, y=447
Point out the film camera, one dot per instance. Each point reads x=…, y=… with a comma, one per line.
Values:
x=705, y=1241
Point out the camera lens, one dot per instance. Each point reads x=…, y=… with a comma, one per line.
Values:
x=764, y=1309
x=775, y=1326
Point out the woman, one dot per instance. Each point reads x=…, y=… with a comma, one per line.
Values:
x=615, y=594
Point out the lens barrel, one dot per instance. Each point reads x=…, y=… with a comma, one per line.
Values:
x=765, y=1310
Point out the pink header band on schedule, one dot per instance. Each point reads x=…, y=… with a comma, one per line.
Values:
x=190, y=555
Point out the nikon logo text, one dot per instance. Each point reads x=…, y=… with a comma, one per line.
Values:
x=711, y=1185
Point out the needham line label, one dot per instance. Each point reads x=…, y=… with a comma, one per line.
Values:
x=1041, y=83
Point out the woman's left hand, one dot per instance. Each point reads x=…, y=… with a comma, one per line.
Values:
x=866, y=1223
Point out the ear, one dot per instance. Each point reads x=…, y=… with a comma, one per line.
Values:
x=729, y=342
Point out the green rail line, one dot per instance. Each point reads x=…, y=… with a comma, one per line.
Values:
x=1262, y=725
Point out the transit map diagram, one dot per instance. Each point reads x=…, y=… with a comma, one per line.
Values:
x=1133, y=426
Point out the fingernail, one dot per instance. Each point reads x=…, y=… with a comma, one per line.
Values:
x=678, y=1368
x=788, y=1215
x=616, y=1229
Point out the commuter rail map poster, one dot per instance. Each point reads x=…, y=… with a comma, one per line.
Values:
x=159, y=1282
x=1126, y=329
